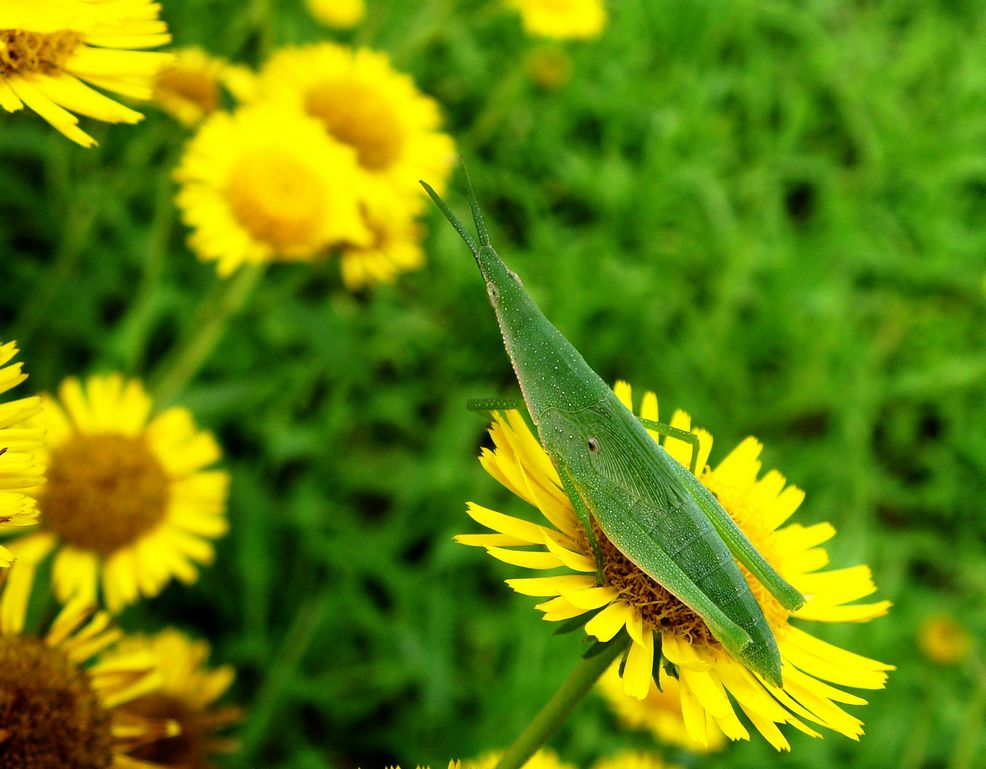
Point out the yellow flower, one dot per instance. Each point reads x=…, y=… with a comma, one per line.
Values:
x=127, y=503
x=944, y=640
x=343, y=14
x=190, y=88
x=21, y=467
x=545, y=758
x=265, y=185
x=55, y=709
x=395, y=247
x=361, y=101
x=186, y=697
x=49, y=47
x=560, y=19
x=629, y=599
x=659, y=712
x=632, y=759
x=549, y=66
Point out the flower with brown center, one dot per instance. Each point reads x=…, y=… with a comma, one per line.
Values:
x=191, y=87
x=265, y=184
x=363, y=102
x=395, y=247
x=51, y=49
x=127, y=503
x=56, y=712
x=187, y=697
x=663, y=631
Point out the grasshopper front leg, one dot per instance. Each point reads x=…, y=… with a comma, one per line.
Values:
x=585, y=518
x=674, y=432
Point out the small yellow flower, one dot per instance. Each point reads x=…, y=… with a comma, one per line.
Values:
x=51, y=49
x=57, y=711
x=191, y=87
x=655, y=620
x=186, y=697
x=545, y=758
x=549, y=66
x=659, y=712
x=395, y=247
x=342, y=14
x=21, y=467
x=128, y=502
x=578, y=19
x=363, y=102
x=265, y=184
x=632, y=759
x=944, y=640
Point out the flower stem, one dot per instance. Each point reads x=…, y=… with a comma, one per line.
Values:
x=561, y=704
x=223, y=302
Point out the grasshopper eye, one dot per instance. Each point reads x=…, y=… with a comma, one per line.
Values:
x=593, y=445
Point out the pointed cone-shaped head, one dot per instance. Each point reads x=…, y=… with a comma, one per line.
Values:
x=550, y=371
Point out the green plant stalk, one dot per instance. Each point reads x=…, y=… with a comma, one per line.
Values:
x=207, y=327
x=560, y=706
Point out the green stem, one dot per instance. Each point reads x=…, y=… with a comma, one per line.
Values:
x=288, y=658
x=561, y=704
x=223, y=302
x=132, y=332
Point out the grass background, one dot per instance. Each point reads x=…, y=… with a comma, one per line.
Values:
x=772, y=213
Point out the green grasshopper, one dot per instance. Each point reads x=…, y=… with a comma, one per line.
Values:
x=649, y=506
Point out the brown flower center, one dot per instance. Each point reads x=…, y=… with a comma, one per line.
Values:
x=50, y=718
x=25, y=53
x=661, y=610
x=104, y=491
x=189, y=85
x=360, y=117
x=277, y=199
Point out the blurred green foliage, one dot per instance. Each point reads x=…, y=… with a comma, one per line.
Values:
x=772, y=213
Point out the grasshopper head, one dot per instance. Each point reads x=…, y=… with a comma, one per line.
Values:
x=550, y=371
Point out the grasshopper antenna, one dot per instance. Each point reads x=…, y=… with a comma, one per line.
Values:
x=453, y=219
x=477, y=214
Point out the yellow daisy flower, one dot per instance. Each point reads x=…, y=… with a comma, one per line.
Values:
x=943, y=640
x=659, y=712
x=49, y=47
x=191, y=87
x=582, y=19
x=545, y=758
x=21, y=468
x=658, y=623
x=342, y=14
x=55, y=709
x=128, y=503
x=395, y=247
x=549, y=66
x=632, y=759
x=186, y=697
x=361, y=101
x=265, y=185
